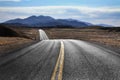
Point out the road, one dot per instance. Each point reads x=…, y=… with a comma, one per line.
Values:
x=43, y=35
x=61, y=60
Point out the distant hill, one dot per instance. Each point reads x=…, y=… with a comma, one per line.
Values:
x=43, y=21
x=7, y=32
x=105, y=25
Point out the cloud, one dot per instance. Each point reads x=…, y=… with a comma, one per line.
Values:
x=107, y=15
x=10, y=0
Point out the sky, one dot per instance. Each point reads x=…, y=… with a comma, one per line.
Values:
x=93, y=11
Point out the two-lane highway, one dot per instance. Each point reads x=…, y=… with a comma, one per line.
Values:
x=61, y=60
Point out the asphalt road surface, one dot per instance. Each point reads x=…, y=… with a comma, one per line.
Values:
x=43, y=35
x=61, y=60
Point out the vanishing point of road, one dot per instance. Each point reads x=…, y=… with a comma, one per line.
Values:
x=61, y=60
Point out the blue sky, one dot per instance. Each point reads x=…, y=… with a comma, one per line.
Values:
x=59, y=2
x=94, y=11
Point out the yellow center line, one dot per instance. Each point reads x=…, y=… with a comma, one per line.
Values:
x=59, y=64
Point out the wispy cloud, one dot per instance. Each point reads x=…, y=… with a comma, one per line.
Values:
x=108, y=15
x=10, y=0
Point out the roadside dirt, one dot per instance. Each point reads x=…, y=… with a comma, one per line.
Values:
x=26, y=36
x=9, y=44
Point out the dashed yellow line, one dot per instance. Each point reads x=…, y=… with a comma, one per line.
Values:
x=59, y=65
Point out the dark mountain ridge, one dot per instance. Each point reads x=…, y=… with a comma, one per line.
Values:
x=42, y=21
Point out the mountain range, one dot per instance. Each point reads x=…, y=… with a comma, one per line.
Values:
x=47, y=21
x=105, y=25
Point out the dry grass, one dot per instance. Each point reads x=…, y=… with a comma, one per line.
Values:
x=94, y=35
x=31, y=33
x=12, y=40
x=9, y=44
